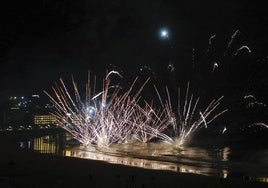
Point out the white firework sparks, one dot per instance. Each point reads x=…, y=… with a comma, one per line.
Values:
x=230, y=42
x=193, y=58
x=241, y=48
x=259, y=124
x=210, y=42
x=115, y=116
x=111, y=116
x=170, y=67
x=215, y=66
x=185, y=121
x=249, y=97
x=114, y=72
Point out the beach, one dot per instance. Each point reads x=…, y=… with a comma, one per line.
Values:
x=20, y=168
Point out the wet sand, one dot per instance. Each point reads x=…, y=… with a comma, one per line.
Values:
x=19, y=168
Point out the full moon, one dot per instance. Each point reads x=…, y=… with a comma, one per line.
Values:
x=164, y=33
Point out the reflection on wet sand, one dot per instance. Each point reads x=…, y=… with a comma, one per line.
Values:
x=156, y=156
x=44, y=145
x=137, y=161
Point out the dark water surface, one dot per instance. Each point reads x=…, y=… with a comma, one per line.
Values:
x=244, y=162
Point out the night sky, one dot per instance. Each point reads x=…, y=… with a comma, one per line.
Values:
x=41, y=41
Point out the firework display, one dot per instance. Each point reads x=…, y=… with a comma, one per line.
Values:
x=186, y=120
x=115, y=115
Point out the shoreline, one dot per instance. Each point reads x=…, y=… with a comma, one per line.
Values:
x=20, y=168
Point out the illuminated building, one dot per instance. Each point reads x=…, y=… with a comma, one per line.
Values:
x=25, y=113
x=16, y=114
x=42, y=120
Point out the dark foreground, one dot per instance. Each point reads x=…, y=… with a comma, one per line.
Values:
x=19, y=168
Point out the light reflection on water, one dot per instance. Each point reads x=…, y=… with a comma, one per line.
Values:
x=157, y=156
x=145, y=156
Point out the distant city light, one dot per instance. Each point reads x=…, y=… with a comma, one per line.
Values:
x=19, y=110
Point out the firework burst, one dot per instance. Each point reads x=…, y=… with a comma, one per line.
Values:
x=116, y=116
x=187, y=119
x=110, y=116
